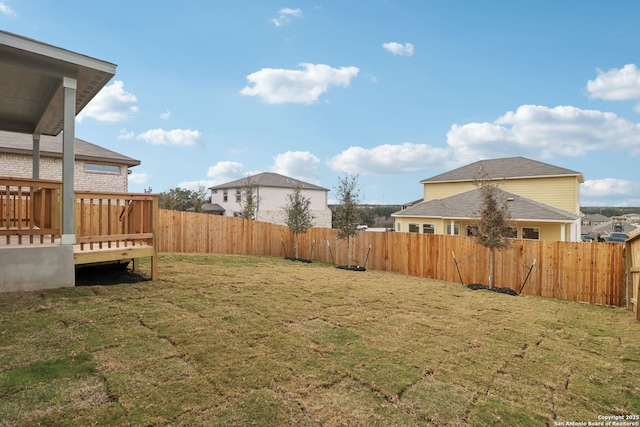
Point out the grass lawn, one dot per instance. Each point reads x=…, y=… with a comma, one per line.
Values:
x=240, y=340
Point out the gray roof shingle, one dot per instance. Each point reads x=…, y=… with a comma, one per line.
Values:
x=51, y=146
x=465, y=206
x=268, y=179
x=509, y=167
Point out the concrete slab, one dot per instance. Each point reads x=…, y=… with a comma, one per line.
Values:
x=31, y=268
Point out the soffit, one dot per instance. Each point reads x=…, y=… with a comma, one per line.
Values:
x=31, y=90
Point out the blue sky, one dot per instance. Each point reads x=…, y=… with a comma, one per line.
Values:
x=395, y=91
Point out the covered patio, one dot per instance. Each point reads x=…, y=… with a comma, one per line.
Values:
x=46, y=228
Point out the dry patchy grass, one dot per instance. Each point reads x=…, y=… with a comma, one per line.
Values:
x=240, y=340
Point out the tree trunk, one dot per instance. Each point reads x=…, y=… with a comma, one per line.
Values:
x=492, y=252
x=348, y=251
x=297, y=246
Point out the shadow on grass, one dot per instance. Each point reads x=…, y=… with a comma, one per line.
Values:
x=115, y=274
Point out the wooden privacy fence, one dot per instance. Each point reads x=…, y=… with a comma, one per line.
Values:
x=29, y=209
x=632, y=267
x=586, y=272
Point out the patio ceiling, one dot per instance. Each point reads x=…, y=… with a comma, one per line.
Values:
x=31, y=89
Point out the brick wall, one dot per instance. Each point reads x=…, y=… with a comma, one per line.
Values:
x=20, y=166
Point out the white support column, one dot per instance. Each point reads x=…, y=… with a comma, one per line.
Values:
x=68, y=160
x=35, y=171
x=563, y=232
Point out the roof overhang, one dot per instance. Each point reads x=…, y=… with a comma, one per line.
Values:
x=578, y=175
x=31, y=89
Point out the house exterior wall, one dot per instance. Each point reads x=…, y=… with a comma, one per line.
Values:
x=21, y=166
x=559, y=192
x=547, y=231
x=271, y=203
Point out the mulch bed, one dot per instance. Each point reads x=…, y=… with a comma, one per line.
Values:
x=351, y=267
x=305, y=260
x=478, y=286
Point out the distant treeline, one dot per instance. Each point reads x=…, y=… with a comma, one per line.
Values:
x=609, y=210
x=376, y=216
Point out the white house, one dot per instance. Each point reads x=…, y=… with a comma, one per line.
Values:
x=271, y=190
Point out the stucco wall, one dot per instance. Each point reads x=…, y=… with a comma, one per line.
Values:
x=20, y=166
x=272, y=202
x=322, y=219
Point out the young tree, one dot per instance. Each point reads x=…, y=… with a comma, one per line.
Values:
x=249, y=200
x=181, y=199
x=298, y=214
x=492, y=222
x=347, y=214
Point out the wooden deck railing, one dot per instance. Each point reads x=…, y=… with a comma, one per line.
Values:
x=111, y=226
x=29, y=210
x=108, y=226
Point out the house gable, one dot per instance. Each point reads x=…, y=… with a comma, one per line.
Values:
x=547, y=184
x=502, y=169
x=465, y=206
x=272, y=190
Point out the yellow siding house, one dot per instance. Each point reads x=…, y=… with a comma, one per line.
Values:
x=544, y=200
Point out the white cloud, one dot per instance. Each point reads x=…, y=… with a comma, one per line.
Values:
x=225, y=171
x=608, y=187
x=139, y=178
x=125, y=134
x=609, y=192
x=297, y=164
x=179, y=137
x=6, y=10
x=616, y=84
x=195, y=185
x=111, y=104
x=285, y=15
x=280, y=86
x=543, y=132
x=399, y=48
x=165, y=115
x=390, y=159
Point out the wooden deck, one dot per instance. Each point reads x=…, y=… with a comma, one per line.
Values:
x=108, y=226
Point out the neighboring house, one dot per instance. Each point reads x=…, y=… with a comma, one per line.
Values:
x=624, y=224
x=95, y=169
x=544, y=200
x=271, y=190
x=590, y=222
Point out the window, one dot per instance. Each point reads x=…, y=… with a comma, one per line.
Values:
x=92, y=167
x=512, y=233
x=414, y=228
x=530, y=233
x=456, y=230
x=225, y=195
x=238, y=195
x=429, y=228
x=398, y=226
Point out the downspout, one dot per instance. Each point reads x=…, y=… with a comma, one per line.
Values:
x=35, y=171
